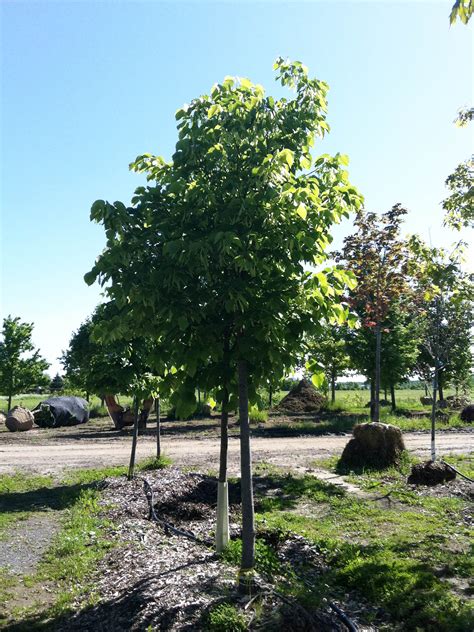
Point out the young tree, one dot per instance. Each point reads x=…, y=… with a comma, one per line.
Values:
x=329, y=350
x=375, y=253
x=18, y=370
x=211, y=257
x=446, y=313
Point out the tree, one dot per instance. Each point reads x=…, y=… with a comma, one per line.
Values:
x=17, y=372
x=461, y=9
x=375, y=253
x=459, y=206
x=446, y=314
x=57, y=383
x=210, y=257
x=329, y=350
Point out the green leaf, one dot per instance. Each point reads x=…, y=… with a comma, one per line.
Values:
x=302, y=211
x=318, y=379
x=90, y=277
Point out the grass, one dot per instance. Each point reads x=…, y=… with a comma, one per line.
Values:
x=83, y=539
x=404, y=558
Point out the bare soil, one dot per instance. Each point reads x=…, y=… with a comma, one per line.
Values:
x=52, y=455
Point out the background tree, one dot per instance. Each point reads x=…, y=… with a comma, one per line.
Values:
x=446, y=313
x=329, y=349
x=459, y=205
x=21, y=366
x=375, y=254
x=56, y=384
x=220, y=240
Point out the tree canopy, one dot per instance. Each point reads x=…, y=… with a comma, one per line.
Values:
x=21, y=365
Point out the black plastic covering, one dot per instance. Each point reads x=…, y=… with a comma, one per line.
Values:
x=63, y=411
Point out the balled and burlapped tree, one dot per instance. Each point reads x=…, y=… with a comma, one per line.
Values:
x=376, y=255
x=213, y=254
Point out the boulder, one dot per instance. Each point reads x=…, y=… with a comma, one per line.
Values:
x=373, y=445
x=19, y=419
x=467, y=413
x=430, y=473
x=303, y=398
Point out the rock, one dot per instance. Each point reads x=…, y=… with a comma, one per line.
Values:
x=467, y=413
x=303, y=398
x=374, y=445
x=426, y=401
x=430, y=473
x=19, y=419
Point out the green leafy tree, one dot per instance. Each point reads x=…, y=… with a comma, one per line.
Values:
x=56, y=384
x=459, y=205
x=446, y=314
x=21, y=366
x=329, y=350
x=375, y=253
x=210, y=258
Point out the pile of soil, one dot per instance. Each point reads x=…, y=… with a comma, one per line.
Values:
x=19, y=419
x=374, y=445
x=303, y=398
x=430, y=473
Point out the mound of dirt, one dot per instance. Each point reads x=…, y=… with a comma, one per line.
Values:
x=430, y=473
x=303, y=398
x=467, y=413
x=374, y=445
x=19, y=419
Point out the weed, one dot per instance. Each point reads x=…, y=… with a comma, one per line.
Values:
x=225, y=618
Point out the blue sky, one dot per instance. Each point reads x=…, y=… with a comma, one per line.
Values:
x=86, y=86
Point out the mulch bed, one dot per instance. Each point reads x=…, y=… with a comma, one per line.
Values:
x=167, y=582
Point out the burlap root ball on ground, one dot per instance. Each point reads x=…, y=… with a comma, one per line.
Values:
x=3, y=418
x=467, y=413
x=430, y=473
x=373, y=445
x=303, y=398
x=19, y=419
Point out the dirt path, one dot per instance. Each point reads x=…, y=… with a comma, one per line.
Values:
x=203, y=453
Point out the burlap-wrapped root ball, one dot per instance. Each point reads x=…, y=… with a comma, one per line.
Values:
x=19, y=419
x=373, y=445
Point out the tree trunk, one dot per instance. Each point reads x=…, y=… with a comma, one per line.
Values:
x=248, y=526
x=433, y=412
x=102, y=401
x=158, y=427
x=440, y=387
x=426, y=389
x=270, y=396
x=333, y=387
x=9, y=402
x=131, y=468
x=378, y=349
x=392, y=395
x=372, y=398
x=222, y=527
x=199, y=395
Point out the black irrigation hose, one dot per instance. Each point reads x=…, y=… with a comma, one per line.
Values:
x=343, y=617
x=451, y=467
x=167, y=526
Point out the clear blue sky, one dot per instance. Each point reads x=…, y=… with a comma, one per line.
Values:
x=86, y=86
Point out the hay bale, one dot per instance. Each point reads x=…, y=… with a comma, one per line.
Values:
x=467, y=413
x=303, y=398
x=19, y=419
x=373, y=445
x=430, y=473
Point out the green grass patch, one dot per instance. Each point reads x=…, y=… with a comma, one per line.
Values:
x=225, y=618
x=399, y=557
